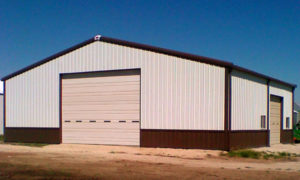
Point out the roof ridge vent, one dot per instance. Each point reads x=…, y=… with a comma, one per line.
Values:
x=97, y=37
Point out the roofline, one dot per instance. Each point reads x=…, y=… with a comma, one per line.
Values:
x=43, y=61
x=263, y=76
x=184, y=55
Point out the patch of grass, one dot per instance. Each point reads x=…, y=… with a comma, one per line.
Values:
x=29, y=144
x=245, y=154
x=248, y=153
x=117, y=152
x=23, y=144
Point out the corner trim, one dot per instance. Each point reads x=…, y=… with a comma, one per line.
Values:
x=60, y=108
x=4, y=109
x=268, y=112
x=227, y=108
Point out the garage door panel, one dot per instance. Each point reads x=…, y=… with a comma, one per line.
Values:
x=105, y=142
x=101, y=125
x=275, y=118
x=100, y=116
x=104, y=93
x=115, y=107
x=103, y=98
x=101, y=110
x=105, y=79
x=100, y=135
x=107, y=83
x=95, y=88
x=98, y=103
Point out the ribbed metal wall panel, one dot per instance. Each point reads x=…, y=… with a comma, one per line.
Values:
x=1, y=113
x=287, y=94
x=249, y=101
x=175, y=93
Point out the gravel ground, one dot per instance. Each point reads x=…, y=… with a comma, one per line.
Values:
x=73, y=161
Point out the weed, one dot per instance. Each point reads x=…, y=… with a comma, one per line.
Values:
x=247, y=153
x=29, y=144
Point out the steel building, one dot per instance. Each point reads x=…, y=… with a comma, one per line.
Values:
x=110, y=91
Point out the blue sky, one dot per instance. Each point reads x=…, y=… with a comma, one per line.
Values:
x=260, y=35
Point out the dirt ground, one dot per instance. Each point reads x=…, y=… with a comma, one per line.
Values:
x=70, y=161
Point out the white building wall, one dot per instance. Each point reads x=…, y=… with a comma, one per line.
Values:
x=1, y=114
x=1, y=87
x=249, y=101
x=175, y=93
x=287, y=94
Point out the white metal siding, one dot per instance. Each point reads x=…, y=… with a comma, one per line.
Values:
x=175, y=93
x=249, y=101
x=1, y=114
x=287, y=94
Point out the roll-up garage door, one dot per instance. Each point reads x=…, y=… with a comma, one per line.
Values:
x=101, y=108
x=275, y=119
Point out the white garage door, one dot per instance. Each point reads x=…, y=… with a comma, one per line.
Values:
x=101, y=108
x=275, y=118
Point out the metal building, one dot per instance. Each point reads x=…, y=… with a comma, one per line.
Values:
x=110, y=91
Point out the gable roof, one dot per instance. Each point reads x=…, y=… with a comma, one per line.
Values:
x=184, y=55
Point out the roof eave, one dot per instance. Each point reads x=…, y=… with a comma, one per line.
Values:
x=188, y=56
x=63, y=52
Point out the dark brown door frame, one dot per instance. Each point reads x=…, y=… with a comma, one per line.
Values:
x=227, y=118
x=281, y=113
x=88, y=72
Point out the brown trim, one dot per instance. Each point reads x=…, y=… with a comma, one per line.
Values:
x=268, y=112
x=120, y=71
x=248, y=138
x=191, y=139
x=4, y=109
x=249, y=131
x=60, y=108
x=193, y=57
x=262, y=76
x=227, y=108
x=32, y=135
x=179, y=54
x=43, y=61
x=286, y=136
